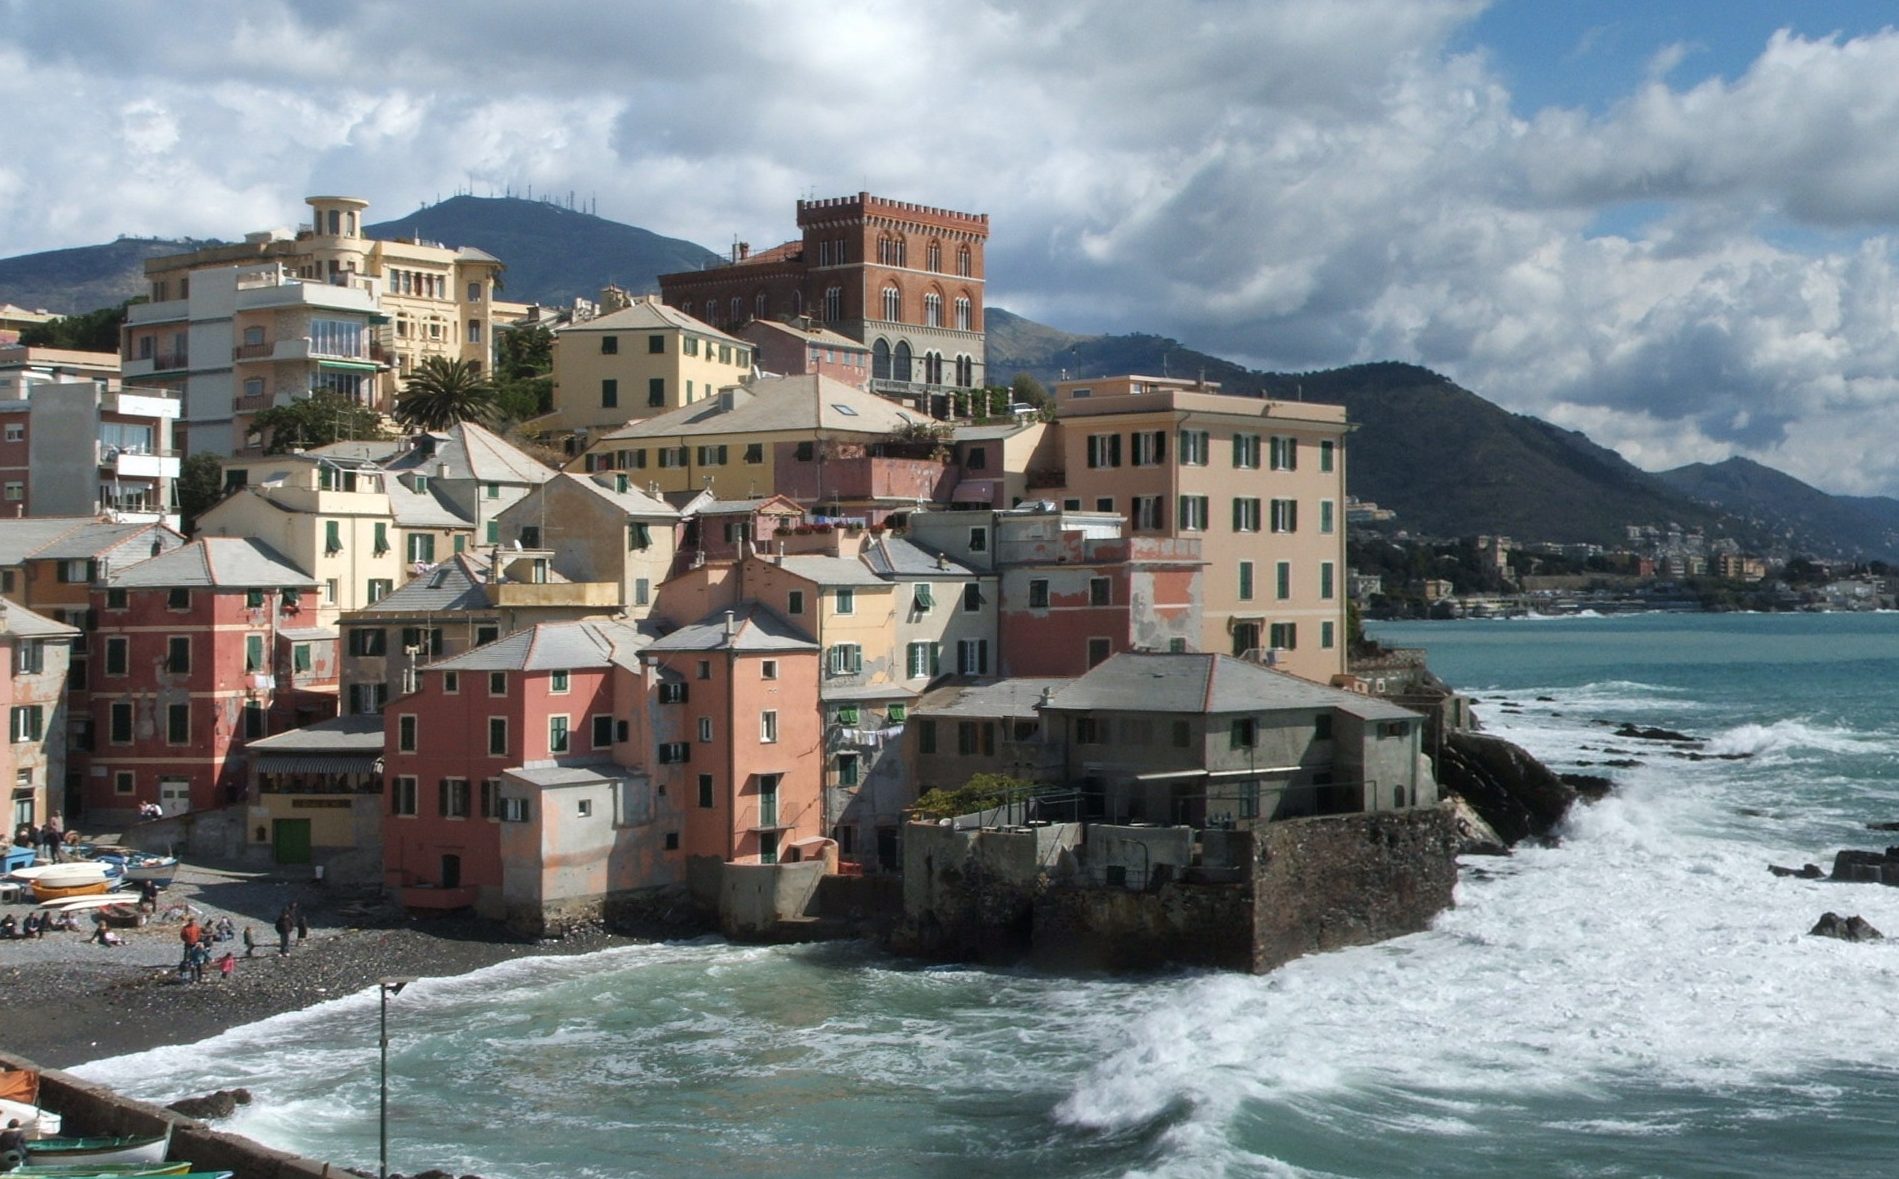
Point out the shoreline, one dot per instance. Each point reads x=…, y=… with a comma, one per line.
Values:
x=70, y=1002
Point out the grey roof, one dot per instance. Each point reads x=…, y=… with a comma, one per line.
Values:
x=340, y=734
x=554, y=646
x=238, y=562
x=810, y=401
x=373, y=450
x=650, y=314
x=91, y=540
x=990, y=433
x=996, y=698
x=898, y=556
x=862, y=692
x=824, y=337
x=475, y=254
x=307, y=634
x=17, y=619
x=830, y=570
x=422, y=509
x=20, y=537
x=454, y=584
x=755, y=628
x=468, y=451
x=569, y=774
x=632, y=501
x=736, y=507
x=1197, y=682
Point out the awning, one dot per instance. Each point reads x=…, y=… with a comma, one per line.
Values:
x=319, y=763
x=361, y=366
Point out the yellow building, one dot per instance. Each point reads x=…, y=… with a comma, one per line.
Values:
x=325, y=309
x=814, y=440
x=1260, y=483
x=638, y=362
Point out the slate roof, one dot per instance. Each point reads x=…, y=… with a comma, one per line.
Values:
x=755, y=627
x=1019, y=697
x=821, y=570
x=632, y=501
x=470, y=451
x=897, y=556
x=238, y=562
x=339, y=734
x=989, y=433
x=422, y=509
x=822, y=337
x=92, y=540
x=454, y=584
x=554, y=646
x=18, y=620
x=20, y=537
x=1197, y=682
x=653, y=316
x=811, y=401
x=584, y=774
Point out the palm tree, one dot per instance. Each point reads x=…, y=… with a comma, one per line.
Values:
x=442, y=392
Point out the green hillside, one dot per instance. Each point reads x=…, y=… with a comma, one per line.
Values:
x=83, y=278
x=1783, y=506
x=553, y=254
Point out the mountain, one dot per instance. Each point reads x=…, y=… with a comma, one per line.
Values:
x=553, y=254
x=1784, y=506
x=84, y=278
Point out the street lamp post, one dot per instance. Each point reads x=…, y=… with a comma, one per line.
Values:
x=388, y=987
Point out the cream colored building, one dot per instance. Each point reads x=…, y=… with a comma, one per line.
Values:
x=332, y=519
x=283, y=315
x=1260, y=483
x=638, y=362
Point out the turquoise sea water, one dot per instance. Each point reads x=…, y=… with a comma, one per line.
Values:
x=1641, y=1000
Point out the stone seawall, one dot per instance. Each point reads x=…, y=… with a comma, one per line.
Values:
x=89, y=1108
x=1349, y=880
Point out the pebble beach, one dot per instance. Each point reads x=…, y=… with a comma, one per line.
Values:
x=67, y=1001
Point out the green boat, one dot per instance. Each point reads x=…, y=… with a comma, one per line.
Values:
x=91, y=1170
x=90, y=1152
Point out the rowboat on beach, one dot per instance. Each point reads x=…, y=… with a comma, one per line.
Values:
x=83, y=902
x=44, y=893
x=19, y=1100
x=125, y=1148
x=102, y=1170
x=158, y=869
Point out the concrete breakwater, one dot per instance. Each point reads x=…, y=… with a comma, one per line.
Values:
x=94, y=1109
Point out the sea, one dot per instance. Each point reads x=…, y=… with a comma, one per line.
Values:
x=1641, y=999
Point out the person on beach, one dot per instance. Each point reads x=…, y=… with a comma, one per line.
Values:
x=192, y=935
x=13, y=1138
x=32, y=927
x=250, y=942
x=285, y=924
x=9, y=928
x=227, y=966
x=303, y=923
x=52, y=840
x=148, y=896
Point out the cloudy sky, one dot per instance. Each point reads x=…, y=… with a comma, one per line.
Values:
x=1670, y=225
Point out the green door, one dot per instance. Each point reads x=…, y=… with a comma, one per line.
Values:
x=290, y=839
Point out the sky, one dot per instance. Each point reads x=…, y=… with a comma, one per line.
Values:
x=1672, y=226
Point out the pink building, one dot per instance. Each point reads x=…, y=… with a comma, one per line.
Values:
x=194, y=654
x=793, y=348
x=33, y=664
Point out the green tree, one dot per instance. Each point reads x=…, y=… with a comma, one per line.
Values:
x=525, y=350
x=442, y=392
x=1026, y=390
x=317, y=420
x=980, y=793
x=200, y=485
x=95, y=331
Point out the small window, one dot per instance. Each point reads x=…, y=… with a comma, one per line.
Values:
x=1100, y=591
x=705, y=730
x=768, y=669
x=768, y=726
x=558, y=682
x=655, y=344
x=405, y=734
x=846, y=601
x=180, y=599
x=978, y=540
x=602, y=732
x=557, y=734
x=584, y=808
x=1038, y=593
x=497, y=736
x=609, y=345
x=794, y=602
x=705, y=791
x=497, y=683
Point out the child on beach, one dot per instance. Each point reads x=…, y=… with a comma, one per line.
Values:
x=227, y=966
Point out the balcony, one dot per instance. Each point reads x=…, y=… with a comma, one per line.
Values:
x=143, y=403
x=139, y=464
x=164, y=362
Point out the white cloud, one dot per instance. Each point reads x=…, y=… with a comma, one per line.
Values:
x=1297, y=185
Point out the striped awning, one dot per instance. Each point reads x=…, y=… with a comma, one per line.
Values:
x=319, y=763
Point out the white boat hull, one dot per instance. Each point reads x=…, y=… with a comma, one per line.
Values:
x=37, y=1123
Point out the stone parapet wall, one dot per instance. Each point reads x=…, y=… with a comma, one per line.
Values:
x=1349, y=880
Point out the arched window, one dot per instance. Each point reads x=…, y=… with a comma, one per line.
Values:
x=738, y=310
x=962, y=261
x=712, y=310
x=880, y=360
x=893, y=304
x=833, y=304
x=936, y=256
x=890, y=249
x=933, y=309
x=933, y=368
x=900, y=363
x=965, y=372
x=758, y=305
x=962, y=313
x=797, y=302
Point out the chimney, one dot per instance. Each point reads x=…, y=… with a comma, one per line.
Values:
x=731, y=624
x=744, y=250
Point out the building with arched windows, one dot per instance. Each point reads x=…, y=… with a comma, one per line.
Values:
x=903, y=279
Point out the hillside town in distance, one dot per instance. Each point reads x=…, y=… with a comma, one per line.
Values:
x=782, y=606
